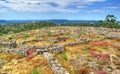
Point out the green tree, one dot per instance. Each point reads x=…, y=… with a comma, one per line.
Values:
x=100, y=23
x=111, y=21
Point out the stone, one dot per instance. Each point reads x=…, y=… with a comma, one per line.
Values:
x=1, y=63
x=116, y=72
x=57, y=68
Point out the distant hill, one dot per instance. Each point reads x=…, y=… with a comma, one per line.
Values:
x=56, y=21
x=14, y=21
x=2, y=21
x=71, y=21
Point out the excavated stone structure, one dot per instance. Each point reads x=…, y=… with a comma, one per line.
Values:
x=56, y=67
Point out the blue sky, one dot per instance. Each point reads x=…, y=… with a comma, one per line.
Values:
x=58, y=9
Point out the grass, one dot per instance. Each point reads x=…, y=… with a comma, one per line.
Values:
x=86, y=48
x=64, y=56
x=26, y=36
x=49, y=33
x=35, y=71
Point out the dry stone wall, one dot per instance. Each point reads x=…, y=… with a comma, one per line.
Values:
x=39, y=50
x=56, y=67
x=10, y=44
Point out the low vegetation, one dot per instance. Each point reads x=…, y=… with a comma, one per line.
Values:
x=35, y=71
x=15, y=28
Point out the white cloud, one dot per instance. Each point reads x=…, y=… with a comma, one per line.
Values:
x=46, y=5
x=2, y=10
x=113, y=7
x=97, y=11
x=81, y=7
x=105, y=9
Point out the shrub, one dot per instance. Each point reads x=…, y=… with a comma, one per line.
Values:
x=83, y=71
x=10, y=38
x=49, y=33
x=64, y=56
x=1, y=33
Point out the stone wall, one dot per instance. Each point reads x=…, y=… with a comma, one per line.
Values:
x=39, y=50
x=21, y=44
x=10, y=44
x=56, y=67
x=75, y=43
x=113, y=35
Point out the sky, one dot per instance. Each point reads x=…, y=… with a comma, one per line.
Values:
x=58, y=9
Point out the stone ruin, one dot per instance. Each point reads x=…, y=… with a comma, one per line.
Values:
x=39, y=50
x=11, y=44
x=113, y=35
x=56, y=67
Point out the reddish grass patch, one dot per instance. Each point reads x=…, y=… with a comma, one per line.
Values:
x=102, y=57
x=80, y=47
x=93, y=48
x=35, y=61
x=101, y=72
x=30, y=57
x=101, y=43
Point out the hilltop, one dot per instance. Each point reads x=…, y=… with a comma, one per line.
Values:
x=61, y=49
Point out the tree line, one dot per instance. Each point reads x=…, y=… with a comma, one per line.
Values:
x=15, y=28
x=110, y=21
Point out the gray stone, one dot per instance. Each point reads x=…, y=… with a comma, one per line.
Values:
x=1, y=63
x=57, y=68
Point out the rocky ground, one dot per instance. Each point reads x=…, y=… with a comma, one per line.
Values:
x=61, y=50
